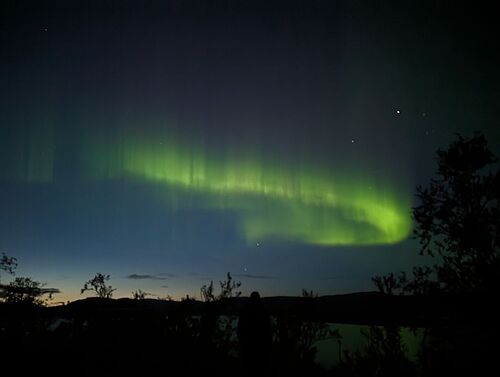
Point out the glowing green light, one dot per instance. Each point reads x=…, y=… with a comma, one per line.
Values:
x=292, y=201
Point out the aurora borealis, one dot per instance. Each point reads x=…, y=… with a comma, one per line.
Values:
x=283, y=200
x=275, y=200
x=279, y=140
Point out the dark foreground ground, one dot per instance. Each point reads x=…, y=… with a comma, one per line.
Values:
x=191, y=338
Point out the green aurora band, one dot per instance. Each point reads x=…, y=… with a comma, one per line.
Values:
x=299, y=201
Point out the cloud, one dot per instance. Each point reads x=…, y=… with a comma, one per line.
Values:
x=4, y=289
x=50, y=291
x=250, y=276
x=145, y=277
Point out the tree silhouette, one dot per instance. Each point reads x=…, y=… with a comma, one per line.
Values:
x=458, y=222
x=389, y=283
x=28, y=291
x=459, y=217
x=98, y=285
x=8, y=264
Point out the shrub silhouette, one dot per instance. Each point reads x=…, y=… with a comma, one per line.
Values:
x=383, y=354
x=228, y=289
x=295, y=335
x=139, y=294
x=216, y=330
x=98, y=285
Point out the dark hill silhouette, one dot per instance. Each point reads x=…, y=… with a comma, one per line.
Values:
x=362, y=308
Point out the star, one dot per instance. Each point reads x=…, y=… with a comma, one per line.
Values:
x=353, y=141
x=398, y=111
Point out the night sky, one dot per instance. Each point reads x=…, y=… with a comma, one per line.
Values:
x=167, y=143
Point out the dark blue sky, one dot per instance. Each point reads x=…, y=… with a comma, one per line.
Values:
x=104, y=105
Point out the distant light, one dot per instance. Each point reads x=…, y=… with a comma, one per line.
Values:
x=353, y=141
x=258, y=244
x=398, y=112
x=245, y=269
x=45, y=29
